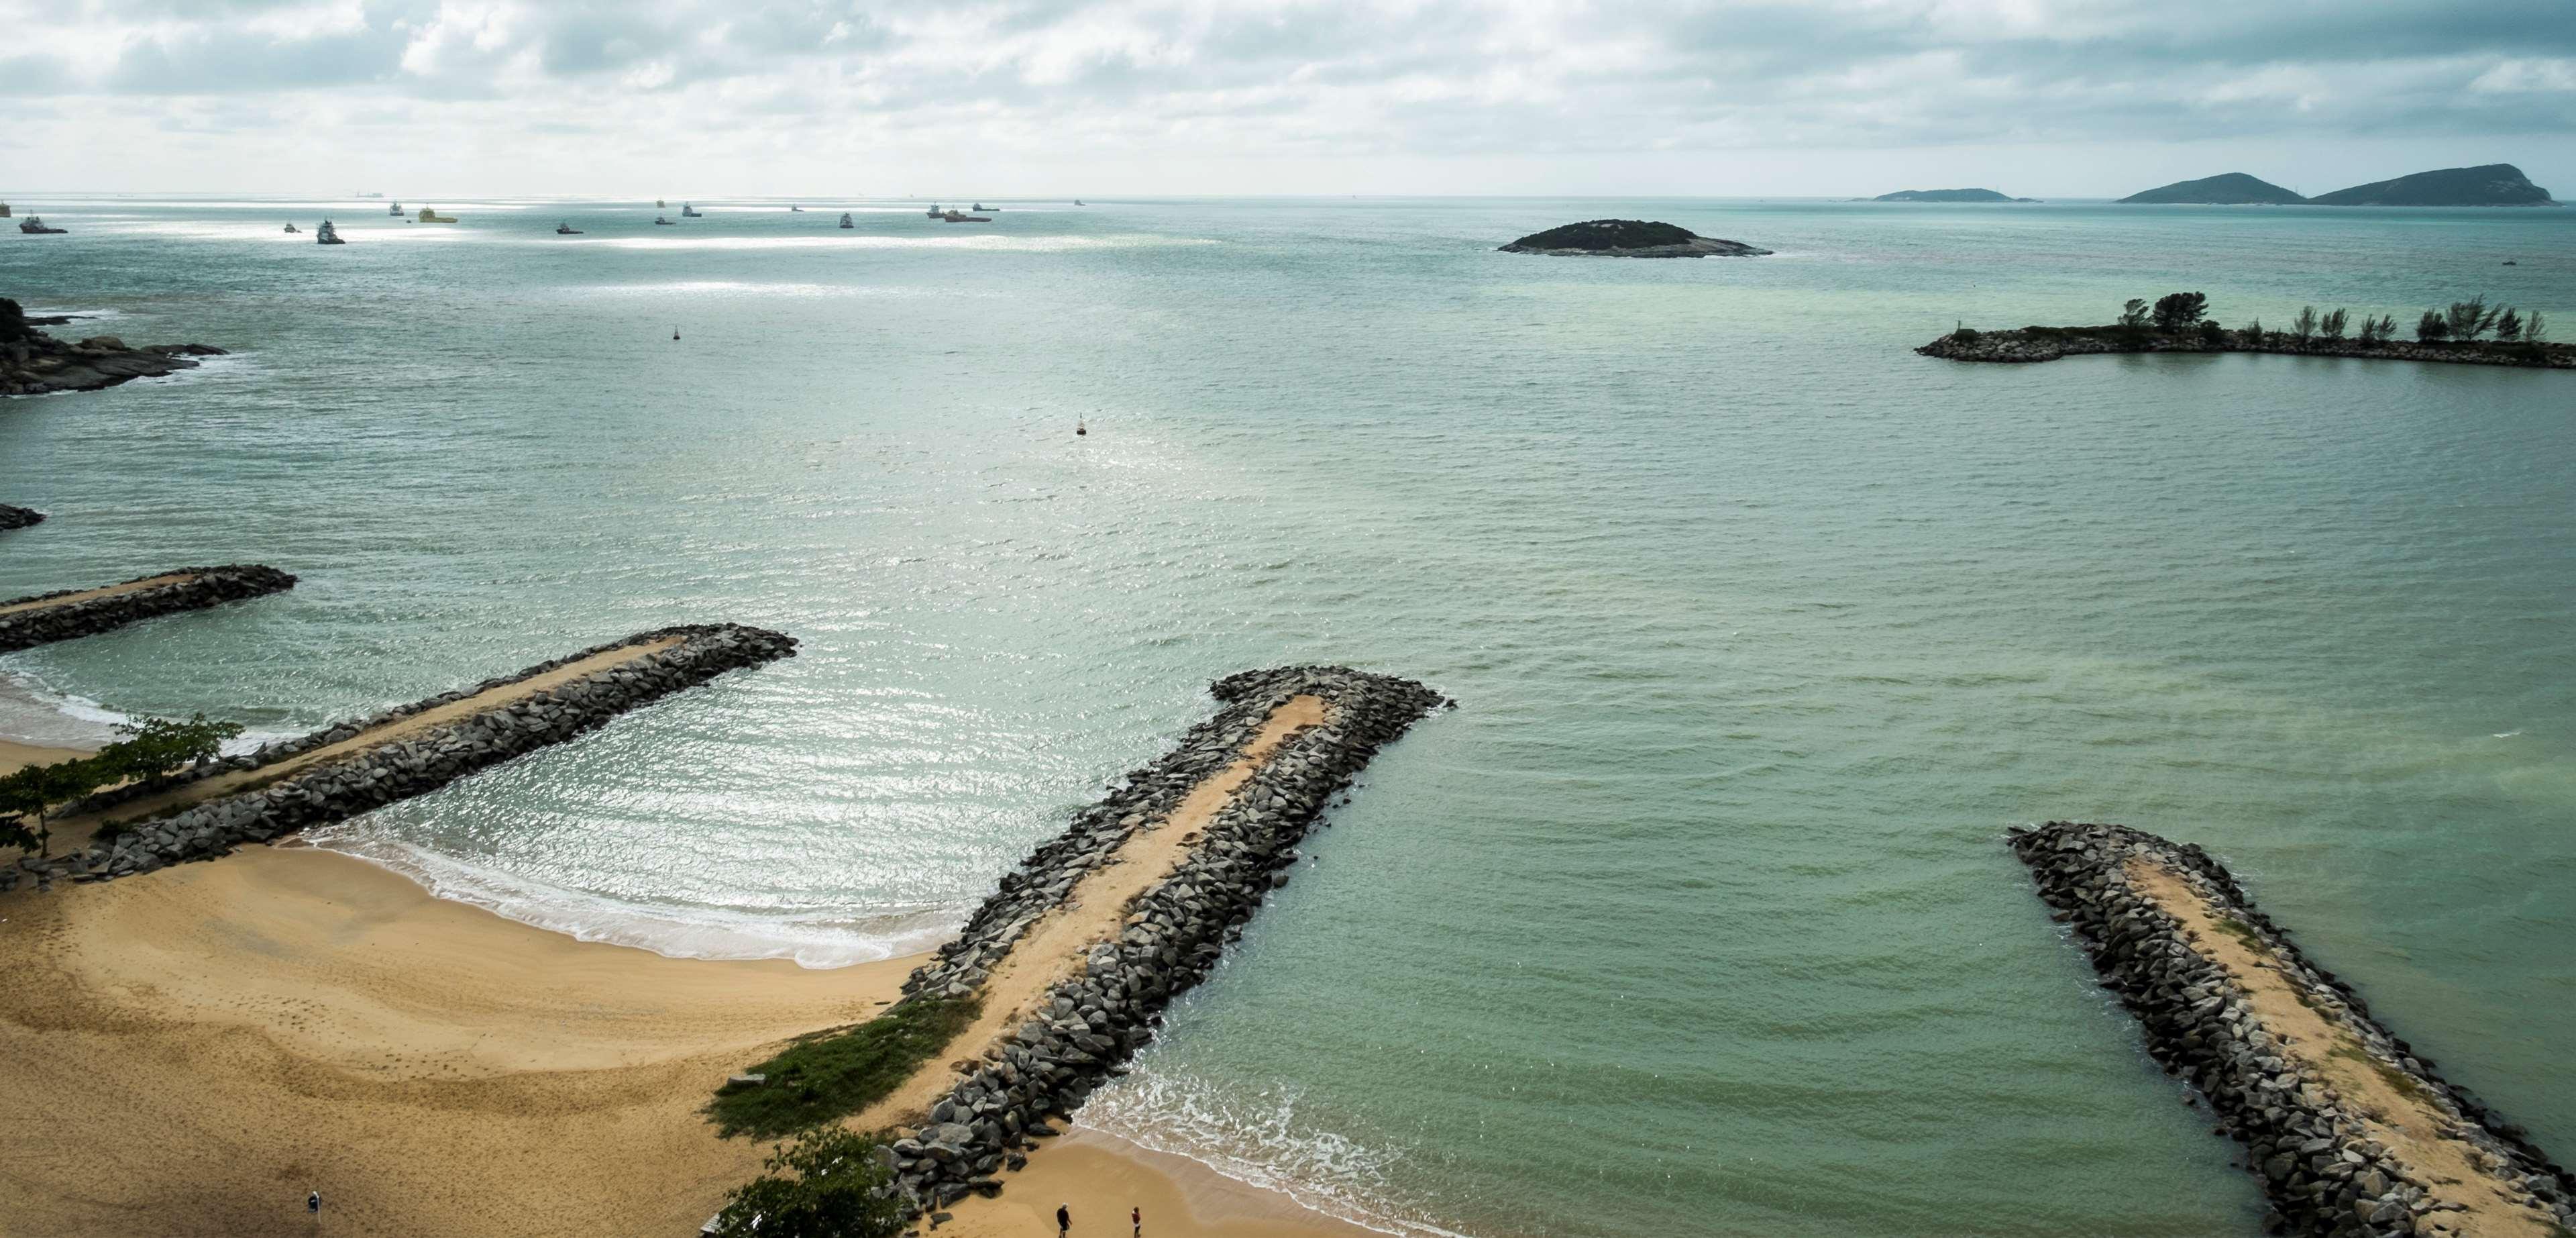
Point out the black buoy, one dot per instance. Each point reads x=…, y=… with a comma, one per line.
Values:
x=1079, y=429
x=675, y=331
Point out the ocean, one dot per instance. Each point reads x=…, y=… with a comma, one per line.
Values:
x=1695, y=917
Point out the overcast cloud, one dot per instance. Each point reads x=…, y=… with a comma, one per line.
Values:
x=706, y=97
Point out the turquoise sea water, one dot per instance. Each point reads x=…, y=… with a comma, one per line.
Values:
x=1695, y=918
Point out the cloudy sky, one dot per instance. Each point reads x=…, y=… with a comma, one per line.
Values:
x=826, y=98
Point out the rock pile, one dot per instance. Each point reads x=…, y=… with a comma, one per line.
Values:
x=419, y=762
x=2023, y=346
x=19, y=517
x=203, y=587
x=2321, y=1170
x=33, y=362
x=1628, y=238
x=1091, y=1023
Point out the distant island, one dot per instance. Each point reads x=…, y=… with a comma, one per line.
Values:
x=33, y=362
x=1628, y=238
x=2469, y=332
x=1945, y=195
x=2224, y=189
x=2494, y=184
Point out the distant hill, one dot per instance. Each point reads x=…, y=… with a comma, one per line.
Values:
x=2495, y=184
x=2224, y=189
x=1947, y=195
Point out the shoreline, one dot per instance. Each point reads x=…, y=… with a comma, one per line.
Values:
x=2027, y=346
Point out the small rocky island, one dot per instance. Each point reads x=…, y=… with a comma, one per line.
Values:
x=19, y=517
x=1629, y=238
x=2493, y=184
x=2224, y=189
x=33, y=362
x=1947, y=195
x=2470, y=332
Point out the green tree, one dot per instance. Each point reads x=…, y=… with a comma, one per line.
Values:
x=2509, y=326
x=829, y=1183
x=34, y=791
x=2251, y=334
x=2432, y=328
x=2305, y=325
x=2535, y=329
x=2134, y=314
x=158, y=746
x=2332, y=325
x=2470, y=319
x=2177, y=312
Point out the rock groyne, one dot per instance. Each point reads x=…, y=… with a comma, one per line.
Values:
x=413, y=757
x=62, y=615
x=1087, y=1023
x=2050, y=344
x=2348, y=1128
x=19, y=517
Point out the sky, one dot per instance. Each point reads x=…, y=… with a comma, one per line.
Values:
x=717, y=98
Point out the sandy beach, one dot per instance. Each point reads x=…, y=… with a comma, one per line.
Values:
x=290, y=1019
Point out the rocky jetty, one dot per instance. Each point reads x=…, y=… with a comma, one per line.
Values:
x=1628, y=238
x=33, y=362
x=2224, y=189
x=19, y=517
x=2050, y=343
x=2326, y=1163
x=187, y=588
x=1175, y=931
x=2493, y=184
x=413, y=763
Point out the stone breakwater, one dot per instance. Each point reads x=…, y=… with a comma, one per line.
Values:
x=1171, y=935
x=416, y=760
x=19, y=517
x=187, y=588
x=2347, y=1127
x=2018, y=346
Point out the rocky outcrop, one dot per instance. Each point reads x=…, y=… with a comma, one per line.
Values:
x=197, y=588
x=33, y=362
x=19, y=517
x=2319, y=1166
x=2224, y=189
x=2493, y=184
x=1175, y=931
x=1948, y=195
x=2027, y=345
x=420, y=761
x=1628, y=238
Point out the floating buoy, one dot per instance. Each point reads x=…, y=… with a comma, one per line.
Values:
x=675, y=332
x=1079, y=429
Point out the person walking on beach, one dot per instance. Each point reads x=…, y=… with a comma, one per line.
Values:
x=1063, y=1220
x=1136, y=1219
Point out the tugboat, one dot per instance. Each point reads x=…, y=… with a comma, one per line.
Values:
x=956, y=218
x=393, y=208
x=664, y=222
x=430, y=215
x=34, y=225
x=798, y=209
x=565, y=229
x=845, y=220
x=981, y=207
x=293, y=228
x=689, y=212
x=327, y=235
x=935, y=212
x=661, y=205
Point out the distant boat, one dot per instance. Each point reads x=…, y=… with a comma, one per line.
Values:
x=981, y=207
x=327, y=235
x=935, y=212
x=394, y=208
x=370, y=195
x=689, y=212
x=956, y=218
x=675, y=333
x=34, y=225
x=664, y=222
x=660, y=205
x=565, y=229
x=4, y=210
x=798, y=209
x=845, y=220
x=1081, y=428
x=1077, y=201
x=430, y=215
x=293, y=228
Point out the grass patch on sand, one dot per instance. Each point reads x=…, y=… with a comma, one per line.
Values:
x=831, y=1074
x=2404, y=1084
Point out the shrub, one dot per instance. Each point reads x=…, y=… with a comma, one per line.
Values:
x=2211, y=333
x=1967, y=335
x=832, y=1074
x=2251, y=334
x=830, y=1183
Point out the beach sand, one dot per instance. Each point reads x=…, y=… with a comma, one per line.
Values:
x=15, y=756
x=1099, y=1177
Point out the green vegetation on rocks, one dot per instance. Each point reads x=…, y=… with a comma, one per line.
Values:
x=830, y=1183
x=1629, y=238
x=2224, y=189
x=2494, y=184
x=828, y=1075
x=1948, y=195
